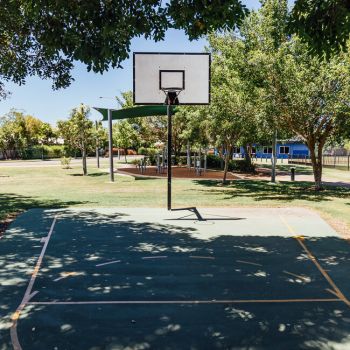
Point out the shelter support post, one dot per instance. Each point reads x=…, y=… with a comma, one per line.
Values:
x=97, y=146
x=110, y=146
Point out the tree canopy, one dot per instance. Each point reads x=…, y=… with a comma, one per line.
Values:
x=45, y=38
x=19, y=131
x=323, y=24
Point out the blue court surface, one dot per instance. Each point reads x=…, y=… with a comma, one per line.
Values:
x=210, y=278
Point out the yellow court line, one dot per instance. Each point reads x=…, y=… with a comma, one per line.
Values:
x=324, y=273
x=289, y=227
x=300, y=239
x=332, y=292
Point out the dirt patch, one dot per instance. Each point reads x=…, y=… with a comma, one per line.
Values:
x=341, y=227
x=179, y=172
x=5, y=223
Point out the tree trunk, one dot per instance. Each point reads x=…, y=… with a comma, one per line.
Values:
x=227, y=159
x=274, y=157
x=316, y=160
x=84, y=162
x=125, y=154
x=247, y=155
x=222, y=157
x=188, y=154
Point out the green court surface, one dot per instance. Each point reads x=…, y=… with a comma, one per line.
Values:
x=189, y=279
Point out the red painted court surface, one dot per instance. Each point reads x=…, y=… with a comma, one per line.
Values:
x=177, y=172
x=188, y=279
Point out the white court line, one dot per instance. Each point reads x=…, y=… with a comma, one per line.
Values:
x=155, y=257
x=304, y=278
x=109, y=262
x=248, y=262
x=202, y=257
x=28, y=293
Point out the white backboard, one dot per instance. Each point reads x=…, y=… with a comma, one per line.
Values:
x=189, y=72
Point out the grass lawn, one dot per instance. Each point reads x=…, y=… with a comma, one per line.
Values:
x=29, y=187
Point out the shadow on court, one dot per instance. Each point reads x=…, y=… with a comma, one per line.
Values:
x=199, y=216
x=12, y=202
x=262, y=190
x=141, y=285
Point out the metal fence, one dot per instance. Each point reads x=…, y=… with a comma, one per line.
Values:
x=330, y=161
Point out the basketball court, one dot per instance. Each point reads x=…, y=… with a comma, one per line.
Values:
x=186, y=279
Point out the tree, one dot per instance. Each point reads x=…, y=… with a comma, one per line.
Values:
x=100, y=136
x=125, y=135
x=235, y=53
x=44, y=38
x=78, y=132
x=191, y=128
x=311, y=96
x=228, y=112
x=299, y=92
x=12, y=134
x=149, y=130
x=290, y=89
x=323, y=24
x=46, y=134
x=145, y=127
x=263, y=34
x=18, y=132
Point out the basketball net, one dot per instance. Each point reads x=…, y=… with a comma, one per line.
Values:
x=171, y=96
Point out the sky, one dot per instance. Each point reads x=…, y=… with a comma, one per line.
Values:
x=37, y=98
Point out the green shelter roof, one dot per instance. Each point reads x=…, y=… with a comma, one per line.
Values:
x=134, y=112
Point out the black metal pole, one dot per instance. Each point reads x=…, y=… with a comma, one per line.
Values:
x=169, y=154
x=110, y=145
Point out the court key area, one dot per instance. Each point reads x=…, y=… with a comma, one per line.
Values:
x=146, y=278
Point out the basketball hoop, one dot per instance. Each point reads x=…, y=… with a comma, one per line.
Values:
x=165, y=73
x=171, y=96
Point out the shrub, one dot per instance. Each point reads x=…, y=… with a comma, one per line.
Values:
x=142, y=151
x=213, y=161
x=54, y=151
x=57, y=151
x=135, y=162
x=29, y=153
x=151, y=153
x=182, y=160
x=65, y=162
x=241, y=165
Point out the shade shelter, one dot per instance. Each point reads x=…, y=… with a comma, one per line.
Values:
x=134, y=112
